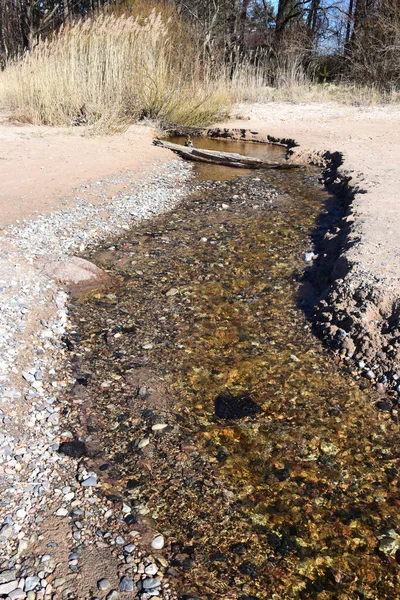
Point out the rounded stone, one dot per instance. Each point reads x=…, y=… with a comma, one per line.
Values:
x=103, y=584
x=158, y=542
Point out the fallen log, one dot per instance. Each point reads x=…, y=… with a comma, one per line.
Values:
x=228, y=159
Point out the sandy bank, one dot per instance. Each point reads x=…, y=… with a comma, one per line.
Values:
x=43, y=169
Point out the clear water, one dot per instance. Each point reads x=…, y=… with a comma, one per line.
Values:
x=290, y=502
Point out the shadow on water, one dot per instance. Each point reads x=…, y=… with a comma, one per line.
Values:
x=274, y=476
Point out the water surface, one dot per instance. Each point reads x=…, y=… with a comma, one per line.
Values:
x=290, y=502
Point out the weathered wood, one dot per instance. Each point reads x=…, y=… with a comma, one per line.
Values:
x=228, y=159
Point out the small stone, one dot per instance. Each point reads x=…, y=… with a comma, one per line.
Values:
x=7, y=576
x=5, y=532
x=389, y=545
x=31, y=595
x=90, y=481
x=46, y=558
x=17, y=594
x=151, y=569
x=143, y=443
x=31, y=583
x=383, y=405
x=172, y=292
x=328, y=448
x=22, y=546
x=159, y=426
x=6, y=588
x=129, y=548
x=158, y=542
x=126, y=584
x=119, y=540
x=61, y=512
x=59, y=582
x=113, y=595
x=103, y=584
x=150, y=584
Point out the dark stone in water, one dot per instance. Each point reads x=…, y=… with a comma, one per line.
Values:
x=133, y=483
x=238, y=548
x=187, y=565
x=75, y=449
x=223, y=454
x=249, y=568
x=383, y=405
x=130, y=519
x=218, y=556
x=282, y=474
x=235, y=407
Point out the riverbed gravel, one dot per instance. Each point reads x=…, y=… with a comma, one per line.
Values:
x=44, y=502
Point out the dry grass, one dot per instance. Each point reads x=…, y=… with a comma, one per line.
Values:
x=291, y=84
x=109, y=71
x=113, y=69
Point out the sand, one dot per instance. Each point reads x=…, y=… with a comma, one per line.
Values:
x=42, y=169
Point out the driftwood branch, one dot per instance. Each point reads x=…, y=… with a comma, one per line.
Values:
x=228, y=159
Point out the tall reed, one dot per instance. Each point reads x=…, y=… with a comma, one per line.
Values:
x=108, y=71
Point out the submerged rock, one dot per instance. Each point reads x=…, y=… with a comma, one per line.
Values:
x=228, y=407
x=75, y=449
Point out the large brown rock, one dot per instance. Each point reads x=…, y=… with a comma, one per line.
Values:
x=74, y=270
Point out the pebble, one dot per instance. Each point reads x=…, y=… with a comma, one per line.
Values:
x=46, y=558
x=17, y=594
x=172, y=292
x=129, y=548
x=159, y=426
x=113, y=595
x=61, y=512
x=8, y=575
x=143, y=443
x=31, y=583
x=151, y=569
x=158, y=542
x=6, y=588
x=150, y=584
x=90, y=481
x=126, y=584
x=103, y=584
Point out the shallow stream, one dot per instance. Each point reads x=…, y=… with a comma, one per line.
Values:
x=296, y=495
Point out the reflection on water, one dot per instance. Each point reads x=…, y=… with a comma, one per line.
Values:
x=297, y=500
